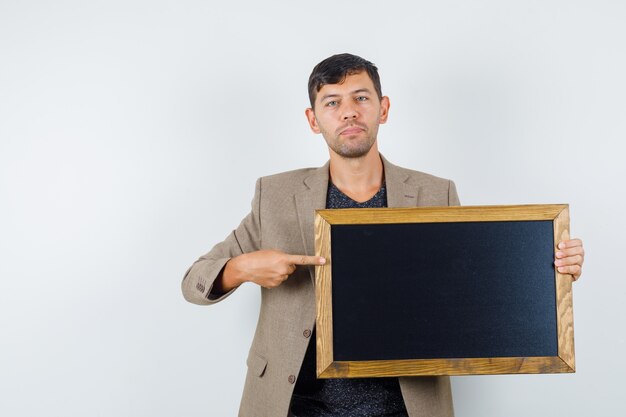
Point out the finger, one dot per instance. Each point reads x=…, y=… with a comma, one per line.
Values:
x=573, y=270
x=285, y=270
x=570, y=243
x=564, y=253
x=570, y=260
x=275, y=282
x=305, y=260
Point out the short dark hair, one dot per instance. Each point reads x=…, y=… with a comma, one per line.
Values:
x=335, y=69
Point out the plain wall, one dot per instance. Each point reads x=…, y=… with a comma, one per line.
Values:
x=131, y=134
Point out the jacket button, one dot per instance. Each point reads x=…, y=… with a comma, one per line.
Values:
x=306, y=333
x=291, y=379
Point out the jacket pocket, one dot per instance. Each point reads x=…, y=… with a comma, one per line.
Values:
x=256, y=364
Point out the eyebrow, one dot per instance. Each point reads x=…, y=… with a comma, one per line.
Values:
x=360, y=90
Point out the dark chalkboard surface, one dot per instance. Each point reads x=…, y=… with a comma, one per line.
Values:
x=442, y=291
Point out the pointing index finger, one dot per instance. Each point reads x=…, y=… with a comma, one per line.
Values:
x=306, y=260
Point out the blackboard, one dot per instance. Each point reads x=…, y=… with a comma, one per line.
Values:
x=459, y=290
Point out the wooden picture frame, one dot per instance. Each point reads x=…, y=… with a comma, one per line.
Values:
x=522, y=324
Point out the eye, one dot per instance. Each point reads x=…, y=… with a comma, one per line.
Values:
x=331, y=103
x=362, y=98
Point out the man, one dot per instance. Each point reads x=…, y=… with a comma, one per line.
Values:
x=274, y=244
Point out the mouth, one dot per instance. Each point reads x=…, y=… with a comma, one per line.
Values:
x=352, y=130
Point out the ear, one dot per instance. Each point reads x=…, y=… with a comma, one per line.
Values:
x=384, y=109
x=310, y=116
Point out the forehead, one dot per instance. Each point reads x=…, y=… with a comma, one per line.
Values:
x=354, y=82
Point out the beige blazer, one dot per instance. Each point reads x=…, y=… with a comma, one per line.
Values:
x=282, y=218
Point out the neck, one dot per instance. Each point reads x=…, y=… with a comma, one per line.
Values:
x=358, y=178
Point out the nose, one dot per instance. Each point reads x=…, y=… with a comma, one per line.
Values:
x=349, y=112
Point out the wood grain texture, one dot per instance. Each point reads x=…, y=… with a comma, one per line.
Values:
x=425, y=367
x=564, y=297
x=323, y=296
x=442, y=214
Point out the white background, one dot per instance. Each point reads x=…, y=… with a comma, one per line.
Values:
x=131, y=134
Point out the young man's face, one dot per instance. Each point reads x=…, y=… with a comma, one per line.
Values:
x=348, y=115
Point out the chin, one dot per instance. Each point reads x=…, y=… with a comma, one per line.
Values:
x=353, y=152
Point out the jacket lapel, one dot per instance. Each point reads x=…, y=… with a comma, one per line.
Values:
x=311, y=198
x=399, y=193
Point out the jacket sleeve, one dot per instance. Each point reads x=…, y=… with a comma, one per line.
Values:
x=198, y=281
x=453, y=197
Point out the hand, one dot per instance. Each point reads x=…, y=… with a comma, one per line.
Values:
x=570, y=258
x=267, y=268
